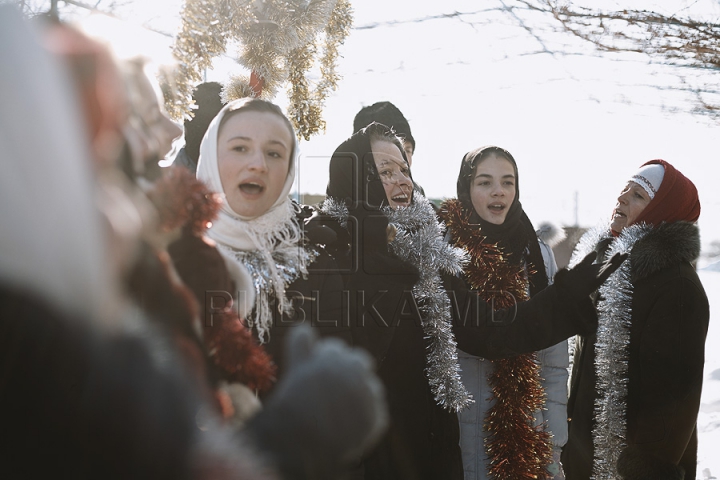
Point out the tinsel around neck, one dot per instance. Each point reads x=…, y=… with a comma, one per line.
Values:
x=488, y=268
x=270, y=248
x=516, y=449
x=419, y=241
x=611, y=348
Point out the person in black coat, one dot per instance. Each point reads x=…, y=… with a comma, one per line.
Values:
x=635, y=385
x=409, y=305
x=208, y=99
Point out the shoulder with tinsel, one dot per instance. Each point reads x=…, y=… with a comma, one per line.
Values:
x=457, y=220
x=419, y=237
x=452, y=213
x=487, y=270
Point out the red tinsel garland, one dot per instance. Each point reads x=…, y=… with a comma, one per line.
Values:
x=183, y=200
x=235, y=351
x=516, y=448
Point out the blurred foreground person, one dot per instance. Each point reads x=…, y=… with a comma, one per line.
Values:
x=90, y=386
x=635, y=385
x=87, y=391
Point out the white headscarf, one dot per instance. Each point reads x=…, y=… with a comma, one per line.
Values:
x=265, y=247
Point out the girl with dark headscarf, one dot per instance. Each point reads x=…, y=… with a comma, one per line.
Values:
x=406, y=301
x=488, y=221
x=635, y=385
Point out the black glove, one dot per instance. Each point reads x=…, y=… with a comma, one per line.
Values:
x=326, y=412
x=315, y=230
x=586, y=277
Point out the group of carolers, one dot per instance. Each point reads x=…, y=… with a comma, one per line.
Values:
x=474, y=391
x=459, y=307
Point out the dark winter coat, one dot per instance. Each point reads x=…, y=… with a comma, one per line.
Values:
x=422, y=440
x=669, y=320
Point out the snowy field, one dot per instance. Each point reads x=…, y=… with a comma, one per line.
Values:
x=709, y=418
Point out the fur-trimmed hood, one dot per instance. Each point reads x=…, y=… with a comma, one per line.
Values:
x=665, y=245
x=651, y=249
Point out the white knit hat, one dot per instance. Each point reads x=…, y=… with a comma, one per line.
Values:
x=649, y=177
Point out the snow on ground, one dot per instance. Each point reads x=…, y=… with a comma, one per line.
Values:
x=709, y=417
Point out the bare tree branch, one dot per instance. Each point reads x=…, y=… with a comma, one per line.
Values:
x=666, y=39
x=443, y=16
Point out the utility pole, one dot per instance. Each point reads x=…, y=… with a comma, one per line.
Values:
x=577, y=221
x=54, y=9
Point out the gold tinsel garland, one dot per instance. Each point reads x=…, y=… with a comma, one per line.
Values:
x=201, y=38
x=516, y=449
x=279, y=43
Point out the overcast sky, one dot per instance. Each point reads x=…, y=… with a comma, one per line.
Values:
x=578, y=122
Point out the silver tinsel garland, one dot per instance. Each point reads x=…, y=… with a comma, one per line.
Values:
x=290, y=265
x=611, y=350
x=419, y=241
x=337, y=210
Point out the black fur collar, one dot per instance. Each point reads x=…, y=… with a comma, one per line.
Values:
x=665, y=245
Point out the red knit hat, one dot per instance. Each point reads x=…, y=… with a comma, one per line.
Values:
x=676, y=199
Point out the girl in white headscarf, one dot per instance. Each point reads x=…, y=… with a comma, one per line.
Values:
x=248, y=154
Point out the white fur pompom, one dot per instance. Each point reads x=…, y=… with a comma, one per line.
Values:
x=551, y=233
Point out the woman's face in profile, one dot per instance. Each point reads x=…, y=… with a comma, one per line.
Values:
x=253, y=151
x=630, y=204
x=492, y=190
x=394, y=173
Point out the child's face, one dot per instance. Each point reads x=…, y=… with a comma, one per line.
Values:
x=492, y=190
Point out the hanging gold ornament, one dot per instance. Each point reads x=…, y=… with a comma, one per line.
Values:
x=279, y=43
